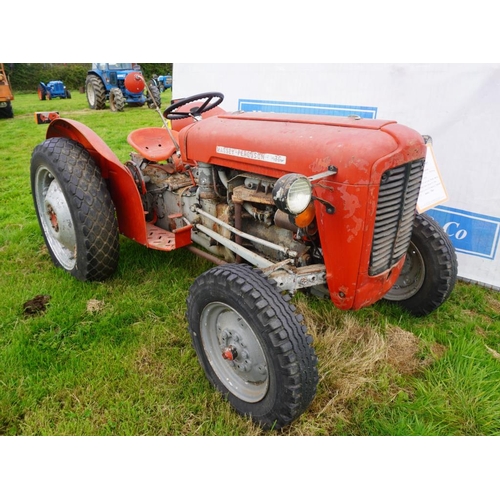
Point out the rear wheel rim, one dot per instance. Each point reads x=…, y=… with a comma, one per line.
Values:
x=55, y=217
x=90, y=94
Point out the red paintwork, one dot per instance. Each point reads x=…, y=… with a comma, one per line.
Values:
x=134, y=82
x=178, y=125
x=360, y=149
x=121, y=184
x=153, y=143
x=122, y=187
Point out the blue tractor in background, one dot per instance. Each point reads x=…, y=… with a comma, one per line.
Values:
x=119, y=84
x=164, y=82
x=55, y=88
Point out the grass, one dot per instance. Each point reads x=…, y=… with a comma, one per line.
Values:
x=115, y=358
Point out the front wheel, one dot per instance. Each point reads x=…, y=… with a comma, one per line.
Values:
x=430, y=270
x=251, y=344
x=74, y=210
x=116, y=99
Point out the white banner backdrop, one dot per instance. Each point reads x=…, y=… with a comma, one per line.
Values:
x=458, y=105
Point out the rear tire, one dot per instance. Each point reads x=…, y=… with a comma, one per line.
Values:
x=74, y=210
x=154, y=94
x=96, y=92
x=430, y=270
x=41, y=92
x=7, y=112
x=251, y=344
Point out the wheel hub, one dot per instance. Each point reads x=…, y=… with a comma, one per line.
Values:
x=234, y=352
x=55, y=218
x=59, y=217
x=230, y=353
x=411, y=278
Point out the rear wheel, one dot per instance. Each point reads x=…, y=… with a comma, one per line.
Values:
x=74, y=210
x=41, y=92
x=154, y=98
x=7, y=111
x=96, y=92
x=251, y=344
x=430, y=270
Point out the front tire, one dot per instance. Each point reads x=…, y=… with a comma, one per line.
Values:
x=430, y=270
x=251, y=344
x=74, y=210
x=116, y=100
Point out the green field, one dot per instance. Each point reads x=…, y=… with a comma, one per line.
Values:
x=115, y=358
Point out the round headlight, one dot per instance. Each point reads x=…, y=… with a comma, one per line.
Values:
x=292, y=193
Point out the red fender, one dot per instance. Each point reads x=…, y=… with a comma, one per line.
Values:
x=121, y=184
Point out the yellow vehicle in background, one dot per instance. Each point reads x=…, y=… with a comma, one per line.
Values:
x=6, y=95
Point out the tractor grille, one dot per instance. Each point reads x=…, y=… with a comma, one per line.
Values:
x=397, y=200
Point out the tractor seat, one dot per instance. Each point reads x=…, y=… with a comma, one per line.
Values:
x=153, y=143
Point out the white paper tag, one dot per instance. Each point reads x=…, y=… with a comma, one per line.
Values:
x=432, y=190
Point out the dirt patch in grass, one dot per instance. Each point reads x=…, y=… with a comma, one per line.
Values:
x=360, y=362
x=147, y=364
x=494, y=303
x=402, y=350
x=95, y=306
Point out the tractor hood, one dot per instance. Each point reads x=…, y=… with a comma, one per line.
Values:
x=273, y=144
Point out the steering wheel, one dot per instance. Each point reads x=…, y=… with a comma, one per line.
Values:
x=208, y=103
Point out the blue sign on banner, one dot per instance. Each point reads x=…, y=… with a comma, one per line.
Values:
x=306, y=108
x=470, y=233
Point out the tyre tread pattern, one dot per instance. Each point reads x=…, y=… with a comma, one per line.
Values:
x=99, y=92
x=448, y=265
x=94, y=208
x=288, y=336
x=441, y=278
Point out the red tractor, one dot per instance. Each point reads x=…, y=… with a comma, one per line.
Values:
x=278, y=203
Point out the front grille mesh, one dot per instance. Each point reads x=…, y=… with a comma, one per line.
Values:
x=397, y=200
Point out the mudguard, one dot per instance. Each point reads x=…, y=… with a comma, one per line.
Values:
x=121, y=184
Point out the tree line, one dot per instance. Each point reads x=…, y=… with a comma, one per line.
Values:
x=27, y=76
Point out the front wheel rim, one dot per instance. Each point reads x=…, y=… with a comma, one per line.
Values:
x=234, y=352
x=411, y=278
x=55, y=218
